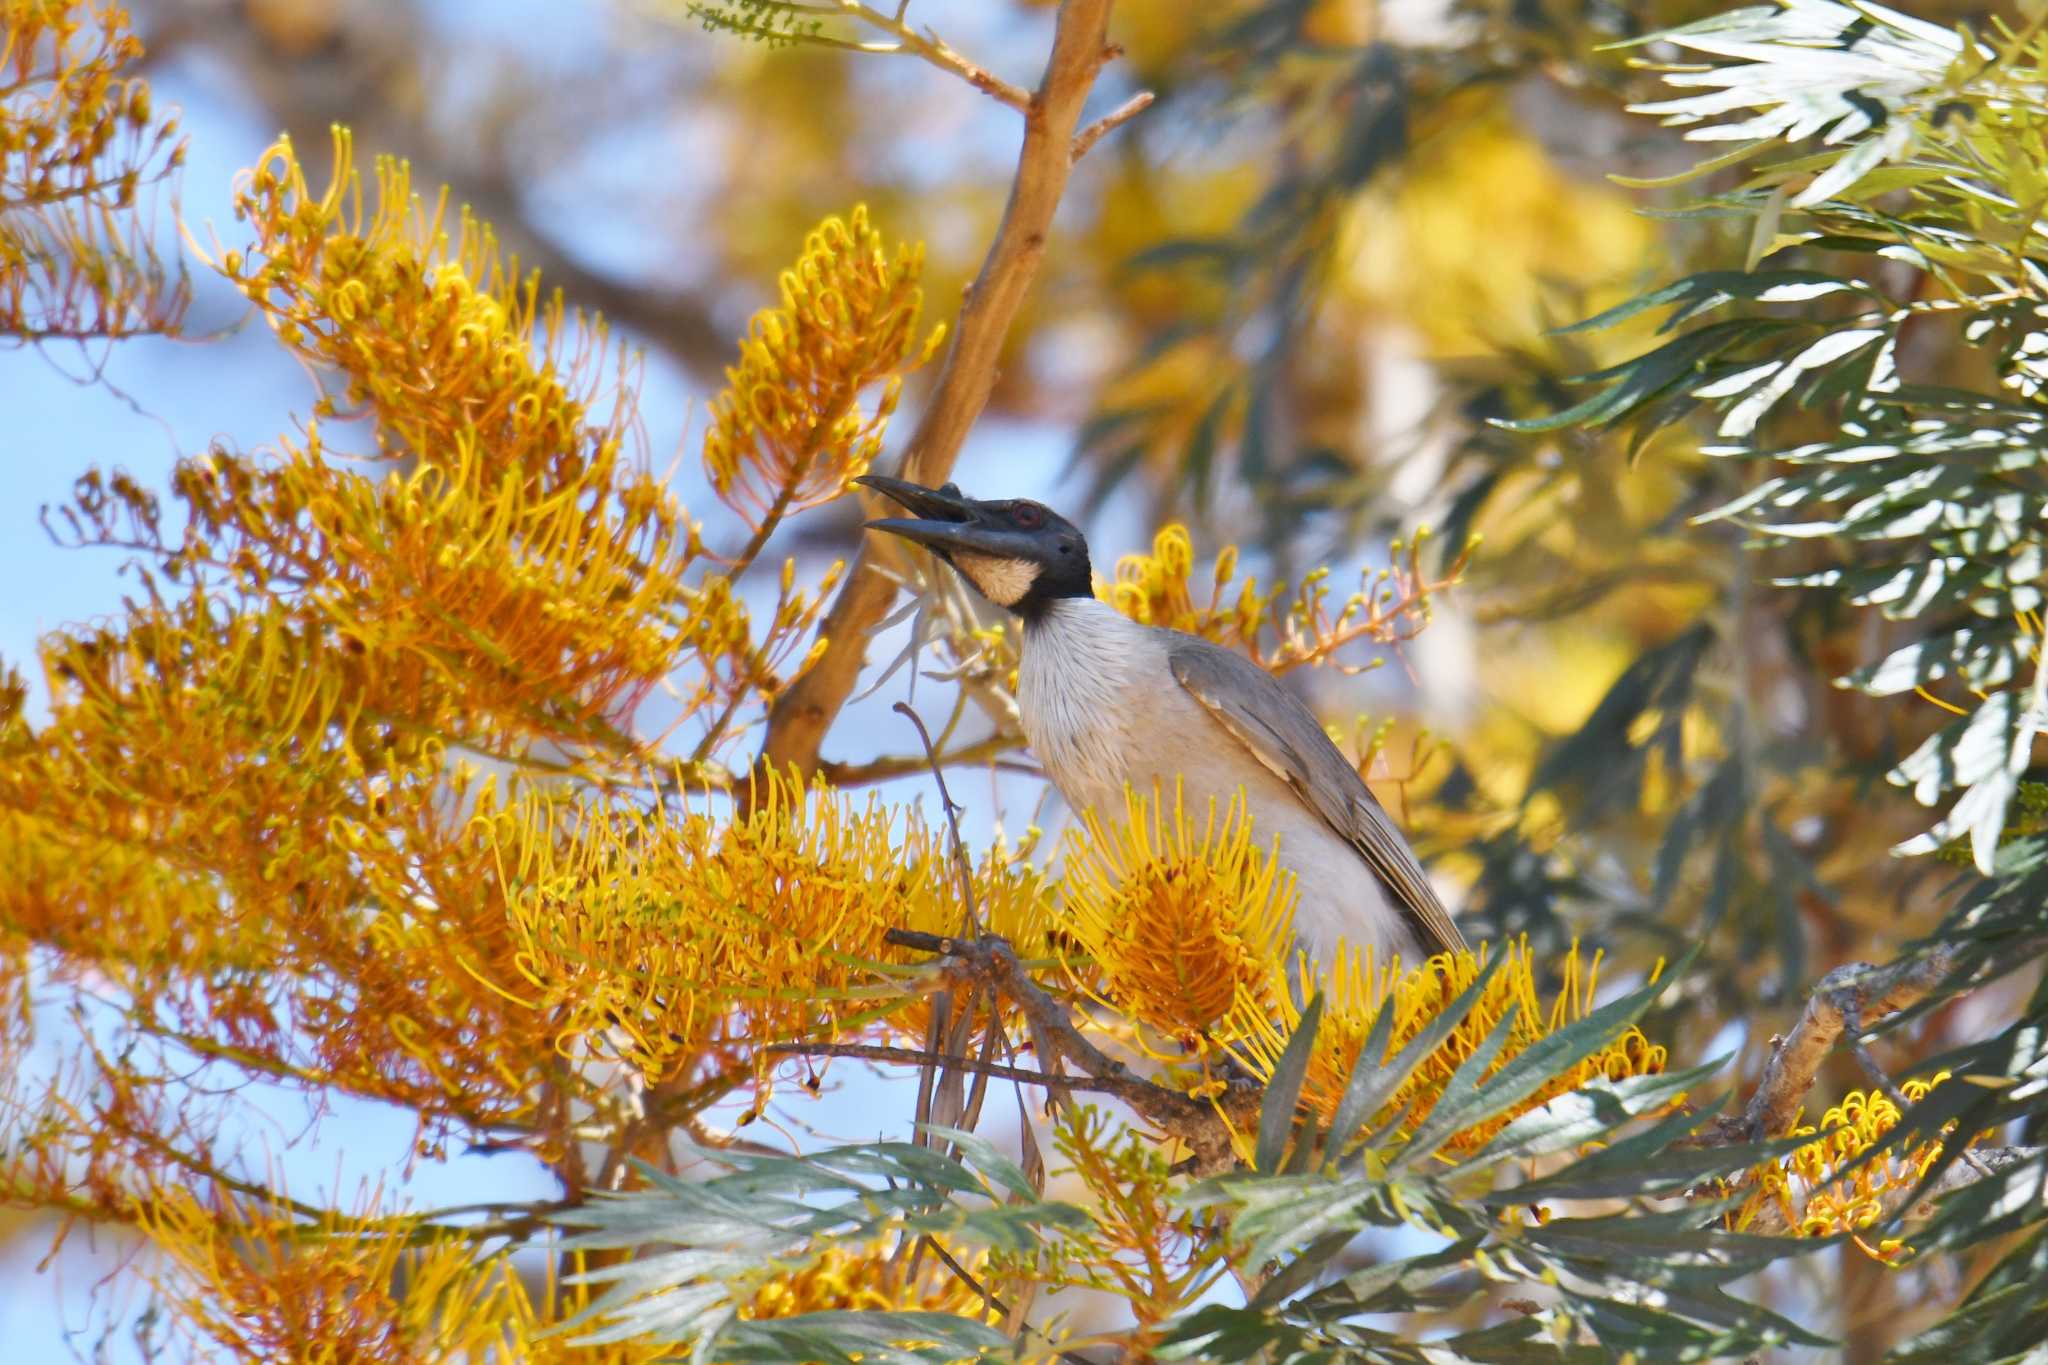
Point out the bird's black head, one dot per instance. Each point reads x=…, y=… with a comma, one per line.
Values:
x=1018, y=554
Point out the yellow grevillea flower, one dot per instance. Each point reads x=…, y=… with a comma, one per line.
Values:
x=1156, y=589
x=83, y=155
x=523, y=547
x=1853, y=1200
x=1280, y=628
x=253, y=1279
x=1185, y=926
x=668, y=934
x=868, y=1279
x=427, y=324
x=788, y=430
x=1358, y=989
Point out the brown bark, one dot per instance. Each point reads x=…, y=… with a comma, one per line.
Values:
x=802, y=715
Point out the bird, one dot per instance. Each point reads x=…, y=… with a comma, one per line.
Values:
x=1106, y=701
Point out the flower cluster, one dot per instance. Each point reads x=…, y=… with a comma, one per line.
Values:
x=1185, y=927
x=255, y=1277
x=517, y=543
x=867, y=1279
x=788, y=431
x=1359, y=989
x=442, y=340
x=662, y=936
x=1827, y=1188
x=82, y=149
x=1182, y=927
x=1279, y=628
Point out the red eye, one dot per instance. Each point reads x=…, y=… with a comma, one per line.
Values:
x=1027, y=516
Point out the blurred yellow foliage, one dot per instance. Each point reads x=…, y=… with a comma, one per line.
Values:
x=82, y=151
x=1468, y=242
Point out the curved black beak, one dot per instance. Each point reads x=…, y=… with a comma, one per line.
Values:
x=936, y=504
x=946, y=519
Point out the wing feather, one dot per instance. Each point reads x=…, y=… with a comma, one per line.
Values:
x=1284, y=736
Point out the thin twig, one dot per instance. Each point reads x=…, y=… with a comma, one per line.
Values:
x=902, y=765
x=909, y=1056
x=932, y=48
x=968, y=905
x=1205, y=1126
x=990, y=1303
x=1085, y=140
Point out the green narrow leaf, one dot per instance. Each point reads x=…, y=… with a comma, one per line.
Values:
x=1357, y=1103
x=1593, y=1111
x=983, y=1157
x=1283, y=1091
x=1457, y=1093
x=1640, y=381
x=1540, y=1063
x=1641, y=1166
x=1728, y=158
x=1372, y=1085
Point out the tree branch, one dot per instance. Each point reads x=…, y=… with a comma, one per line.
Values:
x=800, y=717
x=1842, y=1004
x=1851, y=996
x=1205, y=1126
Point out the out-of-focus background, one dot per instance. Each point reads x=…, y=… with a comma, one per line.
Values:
x=1279, y=307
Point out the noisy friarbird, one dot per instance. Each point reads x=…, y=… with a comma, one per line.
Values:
x=1106, y=701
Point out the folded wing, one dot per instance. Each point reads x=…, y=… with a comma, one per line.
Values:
x=1285, y=736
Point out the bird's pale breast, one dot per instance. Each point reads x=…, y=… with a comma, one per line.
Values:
x=1101, y=708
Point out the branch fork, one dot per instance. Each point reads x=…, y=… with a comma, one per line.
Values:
x=988, y=963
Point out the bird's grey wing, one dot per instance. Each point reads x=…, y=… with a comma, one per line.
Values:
x=1285, y=736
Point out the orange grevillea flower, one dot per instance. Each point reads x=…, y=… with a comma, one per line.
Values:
x=1820, y=1196
x=789, y=431
x=1184, y=924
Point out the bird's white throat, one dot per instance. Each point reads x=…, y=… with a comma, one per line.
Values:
x=1088, y=681
x=1002, y=580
